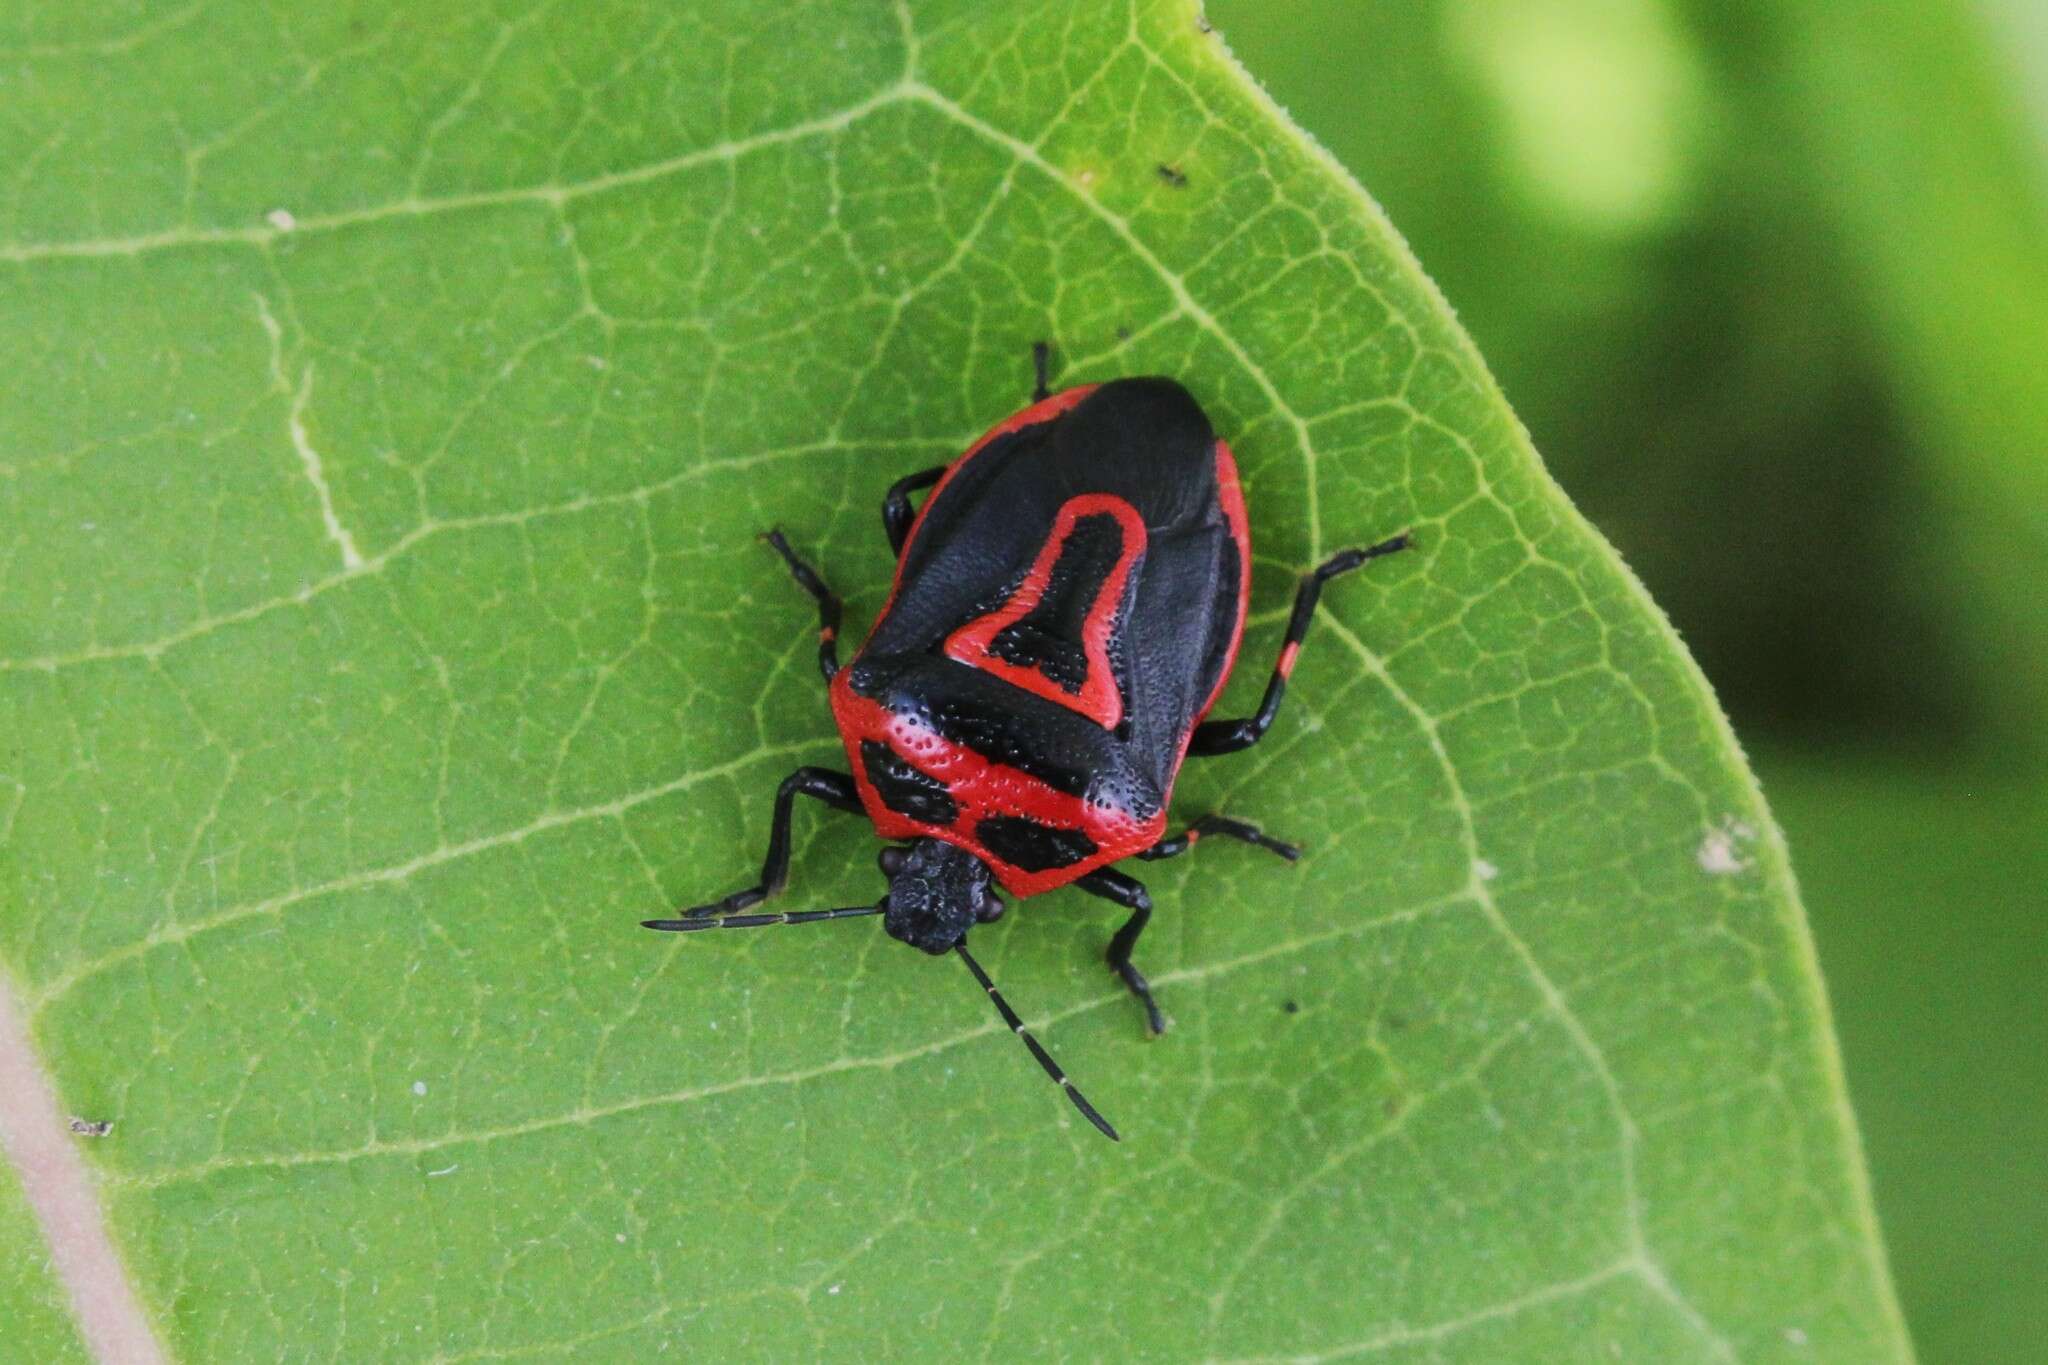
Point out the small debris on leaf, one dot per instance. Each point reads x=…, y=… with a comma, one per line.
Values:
x=1719, y=853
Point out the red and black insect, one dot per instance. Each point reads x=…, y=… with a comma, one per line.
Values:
x=1067, y=606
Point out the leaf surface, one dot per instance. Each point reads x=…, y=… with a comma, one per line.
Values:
x=387, y=635
x=31, y=1298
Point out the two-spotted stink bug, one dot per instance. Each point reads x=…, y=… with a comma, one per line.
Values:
x=1066, y=609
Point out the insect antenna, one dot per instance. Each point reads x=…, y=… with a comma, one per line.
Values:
x=684, y=926
x=1052, y=1068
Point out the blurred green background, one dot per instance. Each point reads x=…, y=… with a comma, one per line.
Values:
x=1768, y=282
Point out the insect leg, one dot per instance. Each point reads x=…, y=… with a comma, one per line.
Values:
x=1180, y=843
x=1214, y=737
x=1128, y=892
x=834, y=789
x=828, y=602
x=897, y=513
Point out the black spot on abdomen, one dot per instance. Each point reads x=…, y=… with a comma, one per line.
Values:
x=1025, y=843
x=904, y=789
x=1001, y=735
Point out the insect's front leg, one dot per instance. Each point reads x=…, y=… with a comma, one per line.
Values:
x=897, y=513
x=1129, y=892
x=829, y=605
x=834, y=789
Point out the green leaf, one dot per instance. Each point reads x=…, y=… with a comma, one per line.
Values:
x=31, y=1299
x=387, y=635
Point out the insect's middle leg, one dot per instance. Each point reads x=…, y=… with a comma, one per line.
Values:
x=1128, y=892
x=829, y=605
x=834, y=789
x=1214, y=737
x=1175, y=845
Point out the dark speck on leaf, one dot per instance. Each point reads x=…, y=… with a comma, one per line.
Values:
x=1172, y=175
x=92, y=1127
x=1397, y=1022
x=1291, y=1006
x=1123, y=334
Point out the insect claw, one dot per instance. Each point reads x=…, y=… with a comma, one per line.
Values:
x=776, y=541
x=730, y=905
x=1346, y=560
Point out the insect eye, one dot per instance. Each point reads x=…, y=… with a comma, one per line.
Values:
x=992, y=908
x=890, y=860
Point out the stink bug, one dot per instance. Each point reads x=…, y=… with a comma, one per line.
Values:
x=1067, y=606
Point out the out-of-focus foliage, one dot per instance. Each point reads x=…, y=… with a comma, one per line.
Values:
x=1935, y=184
x=2021, y=28
x=1926, y=900
x=1769, y=283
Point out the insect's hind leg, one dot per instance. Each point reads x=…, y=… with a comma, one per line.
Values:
x=897, y=513
x=833, y=788
x=829, y=605
x=1214, y=737
x=1130, y=893
x=1175, y=845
